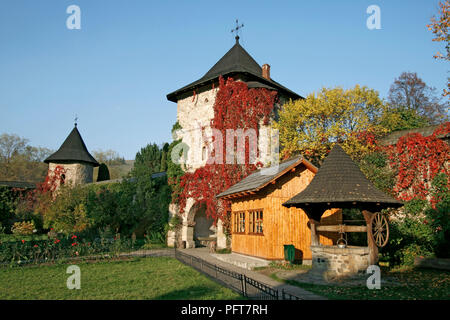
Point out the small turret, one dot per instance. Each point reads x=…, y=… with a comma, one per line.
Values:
x=74, y=158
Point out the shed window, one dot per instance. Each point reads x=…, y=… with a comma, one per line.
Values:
x=255, y=221
x=239, y=222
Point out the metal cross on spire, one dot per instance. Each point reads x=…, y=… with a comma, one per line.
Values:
x=236, y=30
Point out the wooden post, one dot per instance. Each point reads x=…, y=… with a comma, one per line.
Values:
x=373, y=249
x=314, y=235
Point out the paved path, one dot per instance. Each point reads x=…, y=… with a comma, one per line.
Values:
x=203, y=253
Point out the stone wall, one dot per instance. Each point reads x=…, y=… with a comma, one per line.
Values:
x=75, y=173
x=194, y=113
x=331, y=262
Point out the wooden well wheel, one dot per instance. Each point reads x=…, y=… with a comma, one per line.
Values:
x=379, y=229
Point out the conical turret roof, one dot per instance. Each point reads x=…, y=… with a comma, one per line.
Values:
x=339, y=183
x=73, y=149
x=236, y=61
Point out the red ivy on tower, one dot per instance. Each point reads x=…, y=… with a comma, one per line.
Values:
x=236, y=107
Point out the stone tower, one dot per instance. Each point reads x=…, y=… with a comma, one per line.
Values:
x=195, y=109
x=75, y=159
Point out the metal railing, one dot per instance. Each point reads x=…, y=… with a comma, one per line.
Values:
x=235, y=281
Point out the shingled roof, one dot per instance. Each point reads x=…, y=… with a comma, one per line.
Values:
x=339, y=183
x=236, y=61
x=261, y=178
x=73, y=149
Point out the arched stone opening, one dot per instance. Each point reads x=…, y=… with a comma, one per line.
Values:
x=204, y=229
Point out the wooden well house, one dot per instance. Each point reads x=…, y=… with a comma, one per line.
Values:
x=339, y=183
x=261, y=225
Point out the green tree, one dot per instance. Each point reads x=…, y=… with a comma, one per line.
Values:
x=147, y=161
x=164, y=151
x=103, y=173
x=7, y=207
x=174, y=170
x=401, y=118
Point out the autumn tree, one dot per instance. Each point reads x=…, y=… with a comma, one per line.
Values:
x=312, y=125
x=410, y=96
x=10, y=145
x=21, y=161
x=439, y=26
x=109, y=157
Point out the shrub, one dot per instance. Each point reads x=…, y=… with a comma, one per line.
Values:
x=409, y=237
x=67, y=212
x=438, y=217
x=374, y=166
x=23, y=228
x=424, y=230
x=2, y=228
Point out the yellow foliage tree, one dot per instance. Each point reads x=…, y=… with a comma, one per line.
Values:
x=311, y=126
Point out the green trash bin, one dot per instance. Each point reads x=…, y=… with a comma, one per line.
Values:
x=289, y=252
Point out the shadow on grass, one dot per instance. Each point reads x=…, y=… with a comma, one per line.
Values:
x=195, y=293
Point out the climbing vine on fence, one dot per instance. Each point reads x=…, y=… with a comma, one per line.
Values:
x=236, y=107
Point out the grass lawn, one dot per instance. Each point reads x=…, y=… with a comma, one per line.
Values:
x=410, y=284
x=137, y=278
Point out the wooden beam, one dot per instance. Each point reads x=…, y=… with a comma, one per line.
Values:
x=344, y=228
x=373, y=249
x=314, y=236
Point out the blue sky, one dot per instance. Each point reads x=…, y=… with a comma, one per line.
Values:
x=115, y=72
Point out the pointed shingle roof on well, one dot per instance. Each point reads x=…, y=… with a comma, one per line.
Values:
x=73, y=149
x=339, y=181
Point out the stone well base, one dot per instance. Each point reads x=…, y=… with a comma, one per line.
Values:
x=331, y=262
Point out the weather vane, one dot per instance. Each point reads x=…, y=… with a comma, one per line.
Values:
x=236, y=30
x=76, y=120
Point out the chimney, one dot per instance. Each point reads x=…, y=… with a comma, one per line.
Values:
x=266, y=71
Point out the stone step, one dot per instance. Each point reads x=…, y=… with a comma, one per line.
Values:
x=241, y=260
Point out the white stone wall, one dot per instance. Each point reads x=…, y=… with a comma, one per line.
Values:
x=194, y=113
x=75, y=173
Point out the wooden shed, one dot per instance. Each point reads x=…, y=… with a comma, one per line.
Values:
x=261, y=225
